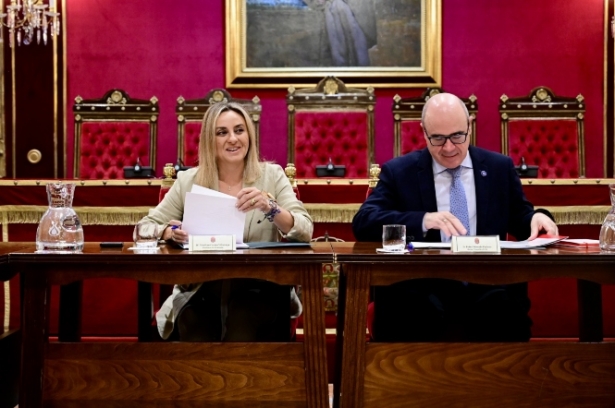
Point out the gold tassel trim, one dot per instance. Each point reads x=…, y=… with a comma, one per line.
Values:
x=32, y=214
x=579, y=214
x=564, y=215
x=321, y=213
x=332, y=212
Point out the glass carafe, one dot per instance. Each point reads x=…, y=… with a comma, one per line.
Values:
x=607, y=232
x=60, y=229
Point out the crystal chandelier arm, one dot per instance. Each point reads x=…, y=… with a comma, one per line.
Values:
x=27, y=19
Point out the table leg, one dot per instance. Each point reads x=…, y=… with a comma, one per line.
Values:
x=34, y=335
x=590, y=311
x=339, y=338
x=315, y=343
x=357, y=278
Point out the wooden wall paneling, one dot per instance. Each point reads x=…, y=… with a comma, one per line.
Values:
x=34, y=108
x=609, y=90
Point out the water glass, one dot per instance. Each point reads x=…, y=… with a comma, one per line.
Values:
x=394, y=237
x=146, y=235
x=607, y=232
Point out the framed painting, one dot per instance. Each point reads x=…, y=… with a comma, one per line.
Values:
x=383, y=43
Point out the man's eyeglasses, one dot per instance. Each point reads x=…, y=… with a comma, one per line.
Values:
x=455, y=138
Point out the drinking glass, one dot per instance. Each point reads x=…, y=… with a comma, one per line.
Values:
x=146, y=235
x=394, y=237
x=607, y=232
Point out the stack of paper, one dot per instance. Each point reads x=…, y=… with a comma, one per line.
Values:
x=209, y=212
x=580, y=243
x=540, y=241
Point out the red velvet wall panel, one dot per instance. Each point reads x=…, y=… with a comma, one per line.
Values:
x=492, y=48
x=180, y=51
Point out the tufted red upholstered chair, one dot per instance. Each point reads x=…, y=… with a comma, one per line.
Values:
x=333, y=122
x=112, y=132
x=407, y=119
x=547, y=130
x=190, y=114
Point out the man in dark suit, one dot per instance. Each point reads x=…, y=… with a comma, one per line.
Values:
x=415, y=190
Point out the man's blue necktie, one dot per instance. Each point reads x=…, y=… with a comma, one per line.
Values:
x=459, y=204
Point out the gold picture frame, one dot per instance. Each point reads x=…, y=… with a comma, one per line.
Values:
x=270, y=44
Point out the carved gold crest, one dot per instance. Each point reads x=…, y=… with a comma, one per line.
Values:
x=330, y=87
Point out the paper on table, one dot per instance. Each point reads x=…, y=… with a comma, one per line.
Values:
x=535, y=243
x=386, y=251
x=209, y=212
x=541, y=241
x=582, y=242
x=437, y=245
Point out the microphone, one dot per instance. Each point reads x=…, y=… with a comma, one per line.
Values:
x=523, y=167
x=330, y=166
x=138, y=166
x=179, y=164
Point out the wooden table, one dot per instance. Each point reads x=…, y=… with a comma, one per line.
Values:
x=533, y=374
x=174, y=374
x=9, y=337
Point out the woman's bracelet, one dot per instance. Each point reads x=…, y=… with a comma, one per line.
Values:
x=275, y=210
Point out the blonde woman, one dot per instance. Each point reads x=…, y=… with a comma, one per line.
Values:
x=237, y=309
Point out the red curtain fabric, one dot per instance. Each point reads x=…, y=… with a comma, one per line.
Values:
x=339, y=136
x=106, y=147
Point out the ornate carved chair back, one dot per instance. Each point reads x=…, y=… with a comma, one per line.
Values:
x=331, y=124
x=113, y=132
x=545, y=130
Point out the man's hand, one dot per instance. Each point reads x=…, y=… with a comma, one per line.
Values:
x=541, y=222
x=444, y=221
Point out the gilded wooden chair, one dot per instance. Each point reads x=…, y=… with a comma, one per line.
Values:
x=190, y=115
x=331, y=124
x=545, y=130
x=407, y=114
x=113, y=132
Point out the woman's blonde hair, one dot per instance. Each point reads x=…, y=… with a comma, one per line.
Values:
x=207, y=174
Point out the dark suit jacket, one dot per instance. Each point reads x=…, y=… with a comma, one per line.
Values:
x=406, y=192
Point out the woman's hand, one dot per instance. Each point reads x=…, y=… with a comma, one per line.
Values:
x=174, y=232
x=251, y=198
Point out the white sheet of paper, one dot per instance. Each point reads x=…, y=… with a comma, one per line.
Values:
x=213, y=214
x=208, y=191
x=437, y=245
x=535, y=243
